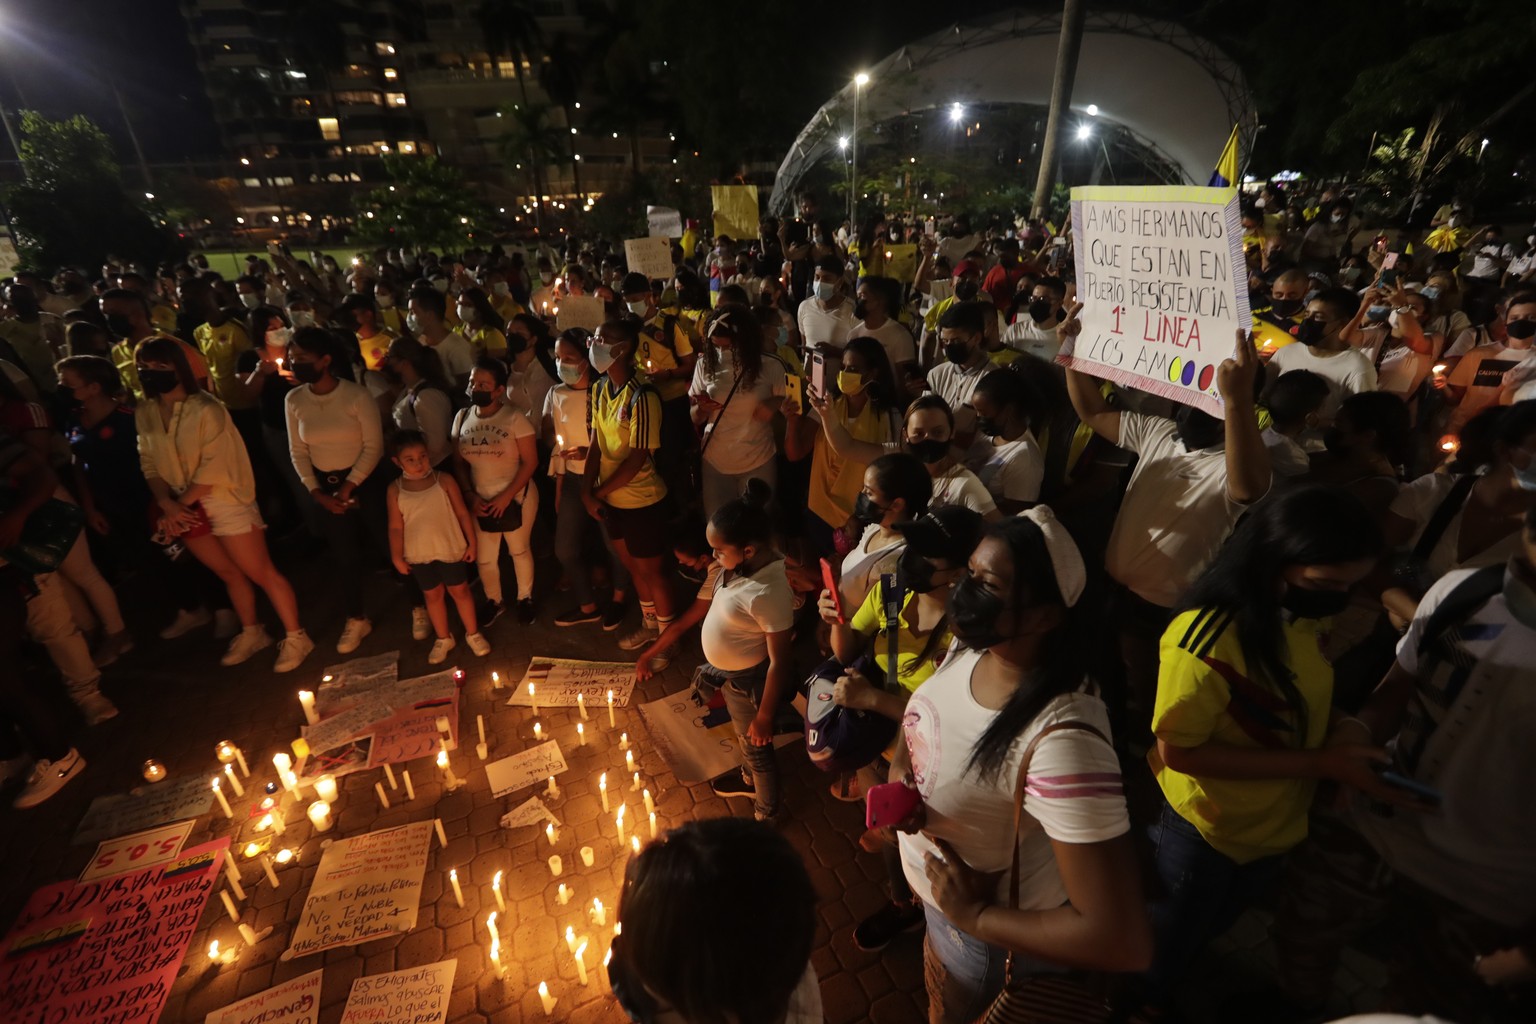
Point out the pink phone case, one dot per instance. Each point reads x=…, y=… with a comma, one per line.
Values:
x=889, y=804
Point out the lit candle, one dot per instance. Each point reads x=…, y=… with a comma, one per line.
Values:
x=307, y=702
x=291, y=782
x=586, y=856
x=653, y=824
x=449, y=779
x=546, y=999
x=233, y=875
x=1439, y=368
x=490, y=926
x=607, y=956
x=581, y=734
x=283, y=857
x=300, y=748
x=629, y=760
x=598, y=913
x=634, y=785
x=623, y=741
x=553, y=792
x=229, y=905
x=266, y=865
x=634, y=845
x=389, y=774
x=326, y=789
x=410, y=790
x=570, y=938
x=247, y=934
x=618, y=820
x=538, y=732
x=650, y=805
x=320, y=816
x=224, y=804
x=602, y=789
x=495, y=680
x=533, y=699
x=378, y=787
x=442, y=837
x=581, y=705
x=611, y=723
x=224, y=751
x=252, y=850
x=581, y=967
x=559, y=443
x=154, y=771
x=563, y=896
x=496, y=890
x=282, y=762
x=554, y=865
x=453, y=879
x=214, y=955
x=234, y=783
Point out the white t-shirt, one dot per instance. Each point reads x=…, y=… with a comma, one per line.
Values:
x=892, y=336
x=738, y=441
x=1417, y=501
x=959, y=486
x=820, y=326
x=1400, y=370
x=1011, y=471
x=1520, y=266
x=1024, y=335
x=1286, y=457
x=526, y=390
x=489, y=445
x=1348, y=372
x=1488, y=260
x=1175, y=515
x=1074, y=793
x=428, y=410
x=863, y=565
x=743, y=611
x=332, y=432
x=456, y=353
x=566, y=408
x=1468, y=735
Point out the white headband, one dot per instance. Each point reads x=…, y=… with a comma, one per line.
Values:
x=1066, y=560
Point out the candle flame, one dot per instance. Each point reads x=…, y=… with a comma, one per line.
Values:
x=213, y=950
x=496, y=880
x=442, y=758
x=284, y=856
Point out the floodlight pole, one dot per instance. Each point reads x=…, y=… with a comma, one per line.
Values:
x=1067, y=48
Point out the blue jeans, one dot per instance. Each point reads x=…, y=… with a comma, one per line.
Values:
x=759, y=766
x=963, y=974
x=1205, y=891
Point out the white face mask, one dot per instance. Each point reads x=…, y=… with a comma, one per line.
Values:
x=600, y=356
x=825, y=290
x=412, y=324
x=441, y=284
x=386, y=302
x=250, y=300
x=501, y=288
x=546, y=277
x=638, y=307
x=279, y=337
x=468, y=314
x=301, y=318
x=416, y=476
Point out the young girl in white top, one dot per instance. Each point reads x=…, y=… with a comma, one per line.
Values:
x=432, y=538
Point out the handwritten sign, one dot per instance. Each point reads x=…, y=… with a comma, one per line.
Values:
x=106, y=950
x=1161, y=277
x=524, y=768
x=419, y=995
x=366, y=887
x=296, y=1001
x=384, y=722
x=649, y=256
x=137, y=851
x=142, y=808
x=557, y=681
x=530, y=812
x=377, y=668
x=697, y=740
x=663, y=222
x=584, y=311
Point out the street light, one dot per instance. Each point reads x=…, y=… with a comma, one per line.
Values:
x=1083, y=132
x=842, y=143
x=860, y=80
x=1480, y=151
x=956, y=113
x=1093, y=110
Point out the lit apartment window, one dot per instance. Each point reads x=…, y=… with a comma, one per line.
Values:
x=390, y=74
x=384, y=49
x=394, y=99
x=330, y=129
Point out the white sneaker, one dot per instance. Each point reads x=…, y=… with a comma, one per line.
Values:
x=225, y=624
x=642, y=637
x=245, y=644
x=48, y=777
x=111, y=647
x=352, y=635
x=292, y=650
x=185, y=622
x=478, y=643
x=440, y=649
x=421, y=626
x=91, y=702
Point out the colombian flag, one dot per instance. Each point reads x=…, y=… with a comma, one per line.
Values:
x=1225, y=174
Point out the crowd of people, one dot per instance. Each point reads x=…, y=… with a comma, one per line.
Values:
x=1312, y=620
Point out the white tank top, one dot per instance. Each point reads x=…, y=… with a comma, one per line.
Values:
x=432, y=532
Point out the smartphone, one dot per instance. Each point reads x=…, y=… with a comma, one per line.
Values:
x=819, y=371
x=1428, y=794
x=889, y=803
x=1389, y=275
x=793, y=385
x=1058, y=241
x=829, y=580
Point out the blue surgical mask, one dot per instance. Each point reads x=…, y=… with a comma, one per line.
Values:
x=1430, y=292
x=825, y=290
x=783, y=337
x=1378, y=313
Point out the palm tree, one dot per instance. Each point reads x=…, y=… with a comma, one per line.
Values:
x=509, y=27
x=532, y=139
x=560, y=75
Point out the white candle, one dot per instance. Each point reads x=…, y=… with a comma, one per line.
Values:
x=602, y=789
x=453, y=879
x=553, y=791
x=378, y=787
x=586, y=856
x=247, y=934
x=234, y=782
x=611, y=723
x=538, y=732
x=496, y=890
x=442, y=837
x=554, y=865
x=563, y=896
x=444, y=726
x=550, y=833
x=320, y=816
x=291, y=782
x=278, y=824
x=634, y=785
x=266, y=865
x=389, y=774
x=623, y=741
x=570, y=938
x=495, y=680
x=282, y=762
x=581, y=734
x=482, y=751
x=307, y=702
x=326, y=788
x=240, y=760
x=629, y=760
x=581, y=967
x=634, y=845
x=650, y=805
x=598, y=913
x=223, y=804
x=653, y=824
x=618, y=820
x=229, y=905
x=546, y=999
x=410, y=790
x=581, y=705
x=533, y=699
x=233, y=874
x=449, y=779
x=495, y=951
x=480, y=726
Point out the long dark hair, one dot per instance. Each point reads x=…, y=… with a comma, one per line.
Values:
x=1067, y=654
x=1313, y=526
x=745, y=520
x=737, y=322
x=320, y=341
x=903, y=475
x=881, y=386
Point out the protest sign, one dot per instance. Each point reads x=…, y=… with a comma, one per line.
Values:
x=663, y=222
x=296, y=1001
x=557, y=681
x=530, y=812
x=366, y=887
x=419, y=995
x=524, y=768
x=135, y=811
x=649, y=256
x=137, y=851
x=584, y=311
x=698, y=741
x=735, y=210
x=335, y=680
x=387, y=721
x=1164, y=288
x=106, y=950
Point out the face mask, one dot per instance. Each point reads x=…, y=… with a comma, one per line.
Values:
x=895, y=236
x=973, y=611
x=386, y=302
x=957, y=351
x=866, y=511
x=412, y=324
x=441, y=284
x=1310, y=332
x=1198, y=430
x=250, y=300
x=1040, y=310
x=916, y=571
x=1334, y=440
x=501, y=288
x=119, y=325
x=158, y=382
x=407, y=474
x=1430, y=292
x=1521, y=330
x=1336, y=218
x=480, y=399
x=989, y=426
x=1285, y=307
x=860, y=310
x=305, y=373
x=569, y=375
x=929, y=451
x=600, y=356
x=545, y=277
x=825, y=290
x=1378, y=313
x=302, y=318
x=1259, y=202
x=782, y=338
x=638, y=307
x=1349, y=275
x=75, y=402
x=469, y=314
x=965, y=291
x=850, y=383
x=1304, y=603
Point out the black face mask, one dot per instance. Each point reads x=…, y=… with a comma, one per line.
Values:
x=1304, y=603
x=480, y=399
x=1040, y=310
x=973, y=611
x=989, y=426
x=119, y=325
x=866, y=511
x=860, y=310
x=965, y=291
x=516, y=343
x=71, y=402
x=929, y=451
x=1310, y=332
x=158, y=382
x=916, y=572
x=957, y=352
x=1520, y=330
x=1198, y=429
x=1333, y=440
x=1285, y=307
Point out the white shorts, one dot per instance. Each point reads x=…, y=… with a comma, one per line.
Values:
x=232, y=518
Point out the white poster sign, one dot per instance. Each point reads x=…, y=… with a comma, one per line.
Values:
x=524, y=768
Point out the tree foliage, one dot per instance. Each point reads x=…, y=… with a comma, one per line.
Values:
x=425, y=204
x=72, y=208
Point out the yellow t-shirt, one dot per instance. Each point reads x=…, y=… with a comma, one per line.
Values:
x=1204, y=695
x=162, y=317
x=623, y=420
x=835, y=481
x=222, y=346
x=935, y=313
x=373, y=348
x=912, y=669
x=486, y=341
x=1003, y=356
x=505, y=306
x=393, y=321
x=655, y=355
